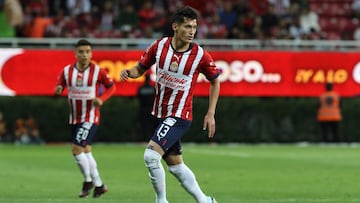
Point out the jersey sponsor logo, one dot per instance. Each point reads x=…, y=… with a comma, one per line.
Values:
x=173, y=80
x=81, y=92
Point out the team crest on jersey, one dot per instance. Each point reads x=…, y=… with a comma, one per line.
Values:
x=174, y=66
x=79, y=80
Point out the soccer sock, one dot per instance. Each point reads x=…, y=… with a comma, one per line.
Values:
x=84, y=166
x=93, y=170
x=156, y=174
x=187, y=179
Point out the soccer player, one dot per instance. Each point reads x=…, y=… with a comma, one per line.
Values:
x=83, y=80
x=178, y=63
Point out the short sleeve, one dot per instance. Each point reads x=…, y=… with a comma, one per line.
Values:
x=105, y=78
x=208, y=67
x=149, y=56
x=61, y=79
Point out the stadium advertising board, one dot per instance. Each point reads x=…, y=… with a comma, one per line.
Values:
x=244, y=73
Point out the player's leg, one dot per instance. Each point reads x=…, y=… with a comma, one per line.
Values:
x=186, y=177
x=82, y=161
x=78, y=151
x=168, y=132
x=82, y=137
x=100, y=187
x=152, y=158
x=84, y=165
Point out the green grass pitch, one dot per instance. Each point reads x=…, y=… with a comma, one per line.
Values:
x=232, y=173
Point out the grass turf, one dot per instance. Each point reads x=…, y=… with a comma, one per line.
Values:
x=232, y=173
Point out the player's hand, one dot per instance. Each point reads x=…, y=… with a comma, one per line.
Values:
x=98, y=102
x=209, y=124
x=124, y=75
x=58, y=90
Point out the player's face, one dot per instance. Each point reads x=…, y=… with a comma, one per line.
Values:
x=185, y=31
x=83, y=55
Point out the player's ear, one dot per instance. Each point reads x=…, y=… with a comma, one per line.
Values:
x=174, y=26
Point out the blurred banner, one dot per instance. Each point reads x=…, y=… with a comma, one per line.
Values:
x=244, y=73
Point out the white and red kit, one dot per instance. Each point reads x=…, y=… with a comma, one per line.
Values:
x=83, y=88
x=176, y=75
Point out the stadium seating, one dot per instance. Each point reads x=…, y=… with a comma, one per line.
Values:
x=334, y=17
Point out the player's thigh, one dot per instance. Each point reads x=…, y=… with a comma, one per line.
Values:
x=77, y=149
x=173, y=159
x=83, y=133
x=156, y=147
x=169, y=132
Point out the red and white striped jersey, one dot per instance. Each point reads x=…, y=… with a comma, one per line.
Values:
x=83, y=87
x=176, y=76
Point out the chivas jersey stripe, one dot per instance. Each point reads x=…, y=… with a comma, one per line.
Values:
x=176, y=75
x=83, y=87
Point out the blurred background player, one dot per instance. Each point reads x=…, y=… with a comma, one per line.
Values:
x=27, y=130
x=4, y=136
x=178, y=63
x=83, y=80
x=329, y=114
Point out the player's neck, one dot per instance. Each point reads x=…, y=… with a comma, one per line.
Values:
x=179, y=45
x=81, y=67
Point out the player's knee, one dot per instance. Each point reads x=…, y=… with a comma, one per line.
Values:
x=173, y=169
x=76, y=150
x=178, y=170
x=152, y=159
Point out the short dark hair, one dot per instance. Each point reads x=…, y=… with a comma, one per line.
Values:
x=184, y=12
x=83, y=42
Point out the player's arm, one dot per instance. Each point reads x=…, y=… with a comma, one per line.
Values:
x=212, y=73
x=133, y=72
x=146, y=61
x=60, y=84
x=110, y=88
x=209, y=119
x=58, y=90
x=99, y=101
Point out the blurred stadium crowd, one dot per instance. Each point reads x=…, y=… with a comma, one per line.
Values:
x=220, y=19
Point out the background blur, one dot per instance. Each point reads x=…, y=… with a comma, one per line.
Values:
x=275, y=55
